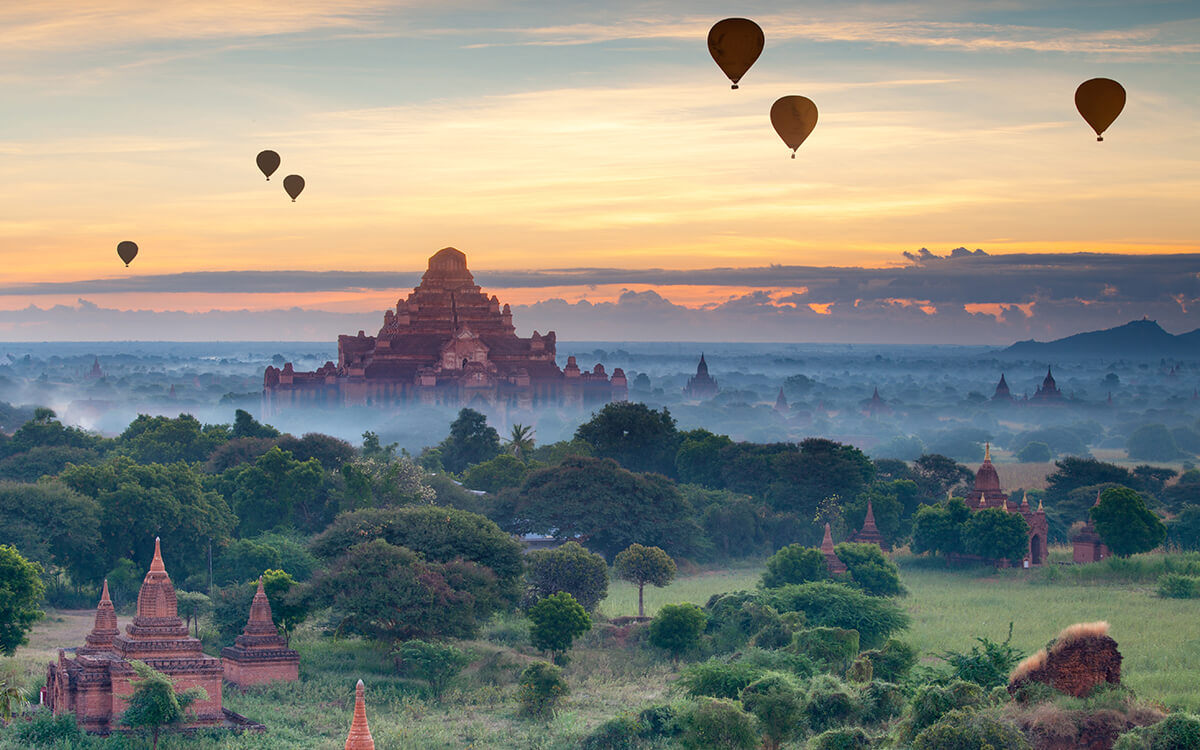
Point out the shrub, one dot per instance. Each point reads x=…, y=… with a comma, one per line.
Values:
x=618, y=733
x=932, y=702
x=836, y=606
x=677, y=628
x=436, y=664
x=831, y=703
x=719, y=724
x=46, y=729
x=555, y=623
x=539, y=690
x=773, y=635
x=794, y=563
x=841, y=739
x=659, y=721
x=735, y=617
x=870, y=570
x=1176, y=732
x=861, y=671
x=893, y=662
x=1175, y=586
x=832, y=648
x=987, y=664
x=779, y=707
x=962, y=730
x=882, y=701
x=717, y=678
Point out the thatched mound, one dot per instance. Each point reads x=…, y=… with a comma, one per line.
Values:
x=1082, y=657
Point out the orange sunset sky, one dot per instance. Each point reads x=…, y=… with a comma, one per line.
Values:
x=542, y=137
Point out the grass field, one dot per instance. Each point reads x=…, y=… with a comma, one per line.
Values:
x=1159, y=639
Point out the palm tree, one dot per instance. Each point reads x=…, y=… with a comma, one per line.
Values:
x=520, y=442
x=10, y=697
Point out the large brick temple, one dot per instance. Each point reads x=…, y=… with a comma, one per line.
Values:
x=448, y=343
x=986, y=493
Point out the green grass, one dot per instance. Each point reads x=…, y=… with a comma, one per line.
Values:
x=695, y=588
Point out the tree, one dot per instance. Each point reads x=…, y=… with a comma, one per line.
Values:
x=246, y=426
x=389, y=593
x=698, y=459
x=833, y=605
x=471, y=441
x=21, y=592
x=372, y=448
x=329, y=451
x=569, y=568
x=244, y=560
x=820, y=469
x=938, y=528
x=677, y=628
x=641, y=565
x=520, y=441
x=555, y=622
x=1152, y=442
x=289, y=602
x=191, y=605
x=937, y=475
x=54, y=526
x=870, y=570
x=611, y=507
x=1035, y=452
x=10, y=696
x=634, y=435
x=165, y=440
x=154, y=703
x=539, y=689
x=996, y=534
x=496, y=474
x=1125, y=524
x=271, y=492
x=436, y=664
x=440, y=534
x=779, y=707
x=794, y=563
x=1184, y=531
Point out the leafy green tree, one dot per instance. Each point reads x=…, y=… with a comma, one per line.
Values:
x=641, y=565
x=191, y=606
x=271, y=492
x=10, y=696
x=611, y=507
x=290, y=603
x=794, y=563
x=569, y=568
x=1035, y=452
x=440, y=534
x=820, y=469
x=54, y=526
x=1184, y=531
x=833, y=605
x=21, y=592
x=372, y=448
x=246, y=426
x=436, y=664
x=677, y=628
x=164, y=440
x=539, y=689
x=389, y=593
x=555, y=622
x=937, y=475
x=44, y=460
x=237, y=452
x=374, y=483
x=331, y=452
x=995, y=534
x=698, y=459
x=1125, y=524
x=1073, y=473
x=471, y=441
x=870, y=570
x=735, y=524
x=1152, y=442
x=231, y=608
x=938, y=528
x=715, y=723
x=154, y=704
x=520, y=441
x=45, y=431
x=496, y=474
x=634, y=435
x=779, y=707
x=244, y=560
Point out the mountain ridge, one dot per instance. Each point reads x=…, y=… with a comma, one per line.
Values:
x=1135, y=338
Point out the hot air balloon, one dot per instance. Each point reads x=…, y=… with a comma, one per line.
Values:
x=794, y=117
x=268, y=162
x=1100, y=100
x=127, y=251
x=735, y=44
x=293, y=184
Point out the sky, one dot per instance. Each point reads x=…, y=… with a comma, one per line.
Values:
x=595, y=166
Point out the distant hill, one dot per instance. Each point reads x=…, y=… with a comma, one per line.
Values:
x=1138, y=338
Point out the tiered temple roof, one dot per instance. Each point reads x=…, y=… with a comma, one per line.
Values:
x=987, y=493
x=260, y=655
x=832, y=561
x=360, y=732
x=701, y=385
x=869, y=534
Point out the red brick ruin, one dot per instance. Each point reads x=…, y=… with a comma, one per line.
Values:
x=1086, y=546
x=869, y=533
x=835, y=565
x=94, y=682
x=1082, y=657
x=448, y=343
x=260, y=655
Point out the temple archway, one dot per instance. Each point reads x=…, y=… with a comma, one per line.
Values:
x=1035, y=550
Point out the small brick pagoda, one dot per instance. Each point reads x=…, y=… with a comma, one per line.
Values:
x=986, y=493
x=360, y=732
x=1086, y=546
x=832, y=561
x=94, y=684
x=869, y=533
x=260, y=655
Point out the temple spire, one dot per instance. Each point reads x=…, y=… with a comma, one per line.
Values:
x=987, y=451
x=156, y=565
x=360, y=733
x=1040, y=509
